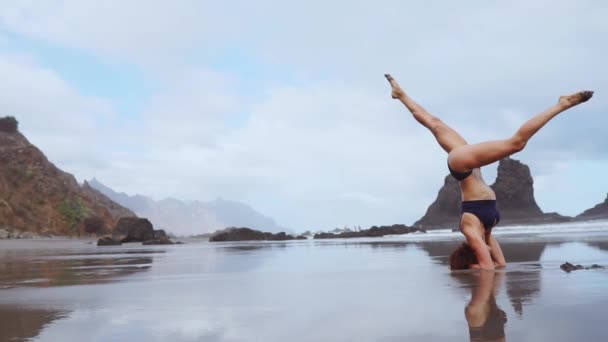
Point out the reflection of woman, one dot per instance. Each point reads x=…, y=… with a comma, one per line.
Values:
x=479, y=214
x=485, y=319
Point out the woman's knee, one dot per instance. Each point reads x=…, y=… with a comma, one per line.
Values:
x=458, y=160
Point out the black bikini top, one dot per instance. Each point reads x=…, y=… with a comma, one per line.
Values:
x=459, y=175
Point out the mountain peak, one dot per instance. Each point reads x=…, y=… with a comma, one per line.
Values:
x=9, y=124
x=36, y=196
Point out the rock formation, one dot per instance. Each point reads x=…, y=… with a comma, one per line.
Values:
x=568, y=267
x=598, y=212
x=514, y=194
x=39, y=198
x=396, y=229
x=134, y=229
x=445, y=211
x=248, y=234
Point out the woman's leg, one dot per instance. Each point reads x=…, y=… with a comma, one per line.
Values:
x=469, y=157
x=446, y=136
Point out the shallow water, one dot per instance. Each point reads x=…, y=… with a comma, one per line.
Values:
x=387, y=289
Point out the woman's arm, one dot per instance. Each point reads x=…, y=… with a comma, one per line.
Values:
x=482, y=252
x=495, y=251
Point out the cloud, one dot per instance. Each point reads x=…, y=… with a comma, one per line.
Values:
x=284, y=105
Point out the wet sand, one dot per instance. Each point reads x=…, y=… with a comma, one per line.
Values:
x=386, y=289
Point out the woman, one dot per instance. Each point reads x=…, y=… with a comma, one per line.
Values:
x=479, y=214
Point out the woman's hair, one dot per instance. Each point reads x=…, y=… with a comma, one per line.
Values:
x=462, y=257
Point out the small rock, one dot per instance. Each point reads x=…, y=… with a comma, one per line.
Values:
x=162, y=241
x=4, y=234
x=108, y=241
x=568, y=267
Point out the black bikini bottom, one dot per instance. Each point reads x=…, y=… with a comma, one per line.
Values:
x=485, y=210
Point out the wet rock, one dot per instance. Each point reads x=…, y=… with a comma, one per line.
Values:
x=568, y=267
x=108, y=241
x=248, y=234
x=396, y=229
x=4, y=234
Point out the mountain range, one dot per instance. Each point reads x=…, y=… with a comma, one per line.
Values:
x=191, y=217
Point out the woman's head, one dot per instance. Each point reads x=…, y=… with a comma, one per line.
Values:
x=462, y=257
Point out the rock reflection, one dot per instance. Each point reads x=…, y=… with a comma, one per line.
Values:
x=19, y=324
x=486, y=321
x=69, y=270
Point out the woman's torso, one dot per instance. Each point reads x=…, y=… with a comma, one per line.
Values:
x=474, y=188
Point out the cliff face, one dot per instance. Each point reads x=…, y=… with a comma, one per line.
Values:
x=445, y=211
x=37, y=197
x=514, y=188
x=598, y=212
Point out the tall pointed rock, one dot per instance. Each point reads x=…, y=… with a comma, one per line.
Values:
x=514, y=188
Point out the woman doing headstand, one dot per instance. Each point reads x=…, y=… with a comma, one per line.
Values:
x=479, y=214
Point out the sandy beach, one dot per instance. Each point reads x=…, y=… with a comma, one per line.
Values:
x=386, y=289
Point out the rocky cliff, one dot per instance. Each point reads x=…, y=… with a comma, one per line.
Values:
x=37, y=197
x=598, y=212
x=514, y=188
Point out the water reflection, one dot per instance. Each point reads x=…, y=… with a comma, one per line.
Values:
x=486, y=321
x=20, y=324
x=69, y=269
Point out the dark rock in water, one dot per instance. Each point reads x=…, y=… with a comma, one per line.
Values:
x=161, y=241
x=568, y=267
x=514, y=188
x=248, y=234
x=108, y=241
x=396, y=229
x=133, y=229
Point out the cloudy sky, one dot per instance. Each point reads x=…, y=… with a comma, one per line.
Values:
x=283, y=105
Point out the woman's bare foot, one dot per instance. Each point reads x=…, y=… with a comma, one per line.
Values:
x=575, y=99
x=396, y=91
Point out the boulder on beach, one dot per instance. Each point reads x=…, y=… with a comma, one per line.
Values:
x=134, y=229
